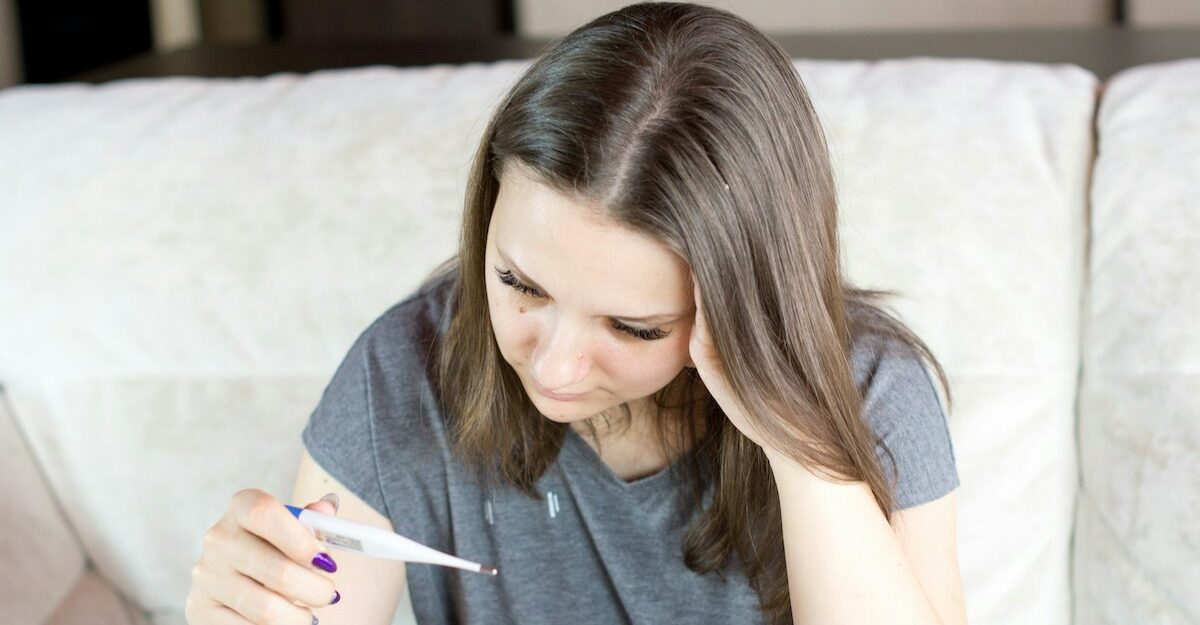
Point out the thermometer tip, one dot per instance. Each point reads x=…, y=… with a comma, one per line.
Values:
x=488, y=569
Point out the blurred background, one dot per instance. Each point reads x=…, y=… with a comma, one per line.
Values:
x=82, y=40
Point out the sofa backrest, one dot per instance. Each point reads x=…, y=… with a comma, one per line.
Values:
x=184, y=262
x=1137, y=539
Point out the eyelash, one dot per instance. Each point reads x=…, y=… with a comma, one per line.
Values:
x=508, y=278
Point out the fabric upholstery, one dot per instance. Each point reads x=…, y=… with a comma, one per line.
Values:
x=1137, y=545
x=93, y=602
x=42, y=559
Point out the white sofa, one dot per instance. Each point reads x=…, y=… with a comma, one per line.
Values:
x=184, y=262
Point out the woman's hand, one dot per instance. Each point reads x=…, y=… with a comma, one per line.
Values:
x=258, y=566
x=712, y=372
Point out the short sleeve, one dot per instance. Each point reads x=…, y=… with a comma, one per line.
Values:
x=339, y=434
x=902, y=407
x=378, y=428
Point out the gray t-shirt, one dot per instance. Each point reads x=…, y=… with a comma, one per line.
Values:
x=595, y=549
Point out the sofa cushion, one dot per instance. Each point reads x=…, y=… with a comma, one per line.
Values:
x=42, y=559
x=963, y=186
x=93, y=602
x=186, y=261
x=1137, y=548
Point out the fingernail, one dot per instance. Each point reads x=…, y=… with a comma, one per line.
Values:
x=324, y=562
x=337, y=596
x=333, y=499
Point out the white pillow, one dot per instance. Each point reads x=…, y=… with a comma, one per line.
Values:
x=1137, y=540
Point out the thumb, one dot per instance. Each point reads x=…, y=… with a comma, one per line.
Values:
x=325, y=505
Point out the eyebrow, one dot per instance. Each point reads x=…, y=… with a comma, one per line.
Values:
x=531, y=282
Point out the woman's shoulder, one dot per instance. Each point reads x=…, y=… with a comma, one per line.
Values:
x=901, y=404
x=893, y=376
x=411, y=327
x=873, y=353
x=378, y=405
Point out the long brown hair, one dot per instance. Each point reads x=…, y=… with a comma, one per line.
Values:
x=686, y=123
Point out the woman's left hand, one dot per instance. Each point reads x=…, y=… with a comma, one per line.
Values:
x=712, y=373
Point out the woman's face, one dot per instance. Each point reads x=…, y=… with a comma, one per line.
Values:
x=589, y=286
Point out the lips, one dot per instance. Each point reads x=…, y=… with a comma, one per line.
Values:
x=558, y=396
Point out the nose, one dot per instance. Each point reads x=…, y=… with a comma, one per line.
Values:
x=559, y=363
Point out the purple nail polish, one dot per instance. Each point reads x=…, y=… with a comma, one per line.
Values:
x=337, y=596
x=315, y=620
x=324, y=562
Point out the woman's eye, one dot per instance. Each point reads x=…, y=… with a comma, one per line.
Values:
x=508, y=278
x=652, y=334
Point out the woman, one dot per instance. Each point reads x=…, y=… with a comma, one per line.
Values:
x=642, y=388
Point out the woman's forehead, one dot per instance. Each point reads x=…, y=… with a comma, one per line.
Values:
x=567, y=251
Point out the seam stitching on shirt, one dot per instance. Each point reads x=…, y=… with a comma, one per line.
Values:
x=387, y=509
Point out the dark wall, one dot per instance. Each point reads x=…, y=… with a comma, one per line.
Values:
x=391, y=20
x=60, y=38
x=63, y=39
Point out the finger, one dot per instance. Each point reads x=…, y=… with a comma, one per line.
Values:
x=202, y=609
x=701, y=321
x=257, y=559
x=322, y=506
x=249, y=599
x=265, y=517
x=703, y=346
x=219, y=615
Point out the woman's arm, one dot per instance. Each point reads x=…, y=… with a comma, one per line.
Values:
x=370, y=588
x=846, y=564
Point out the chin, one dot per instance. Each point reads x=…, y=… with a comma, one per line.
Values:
x=566, y=419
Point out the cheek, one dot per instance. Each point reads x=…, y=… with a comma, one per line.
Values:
x=642, y=372
x=512, y=325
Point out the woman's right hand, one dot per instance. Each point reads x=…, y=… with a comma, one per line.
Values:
x=260, y=565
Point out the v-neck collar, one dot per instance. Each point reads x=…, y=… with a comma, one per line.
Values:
x=574, y=443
